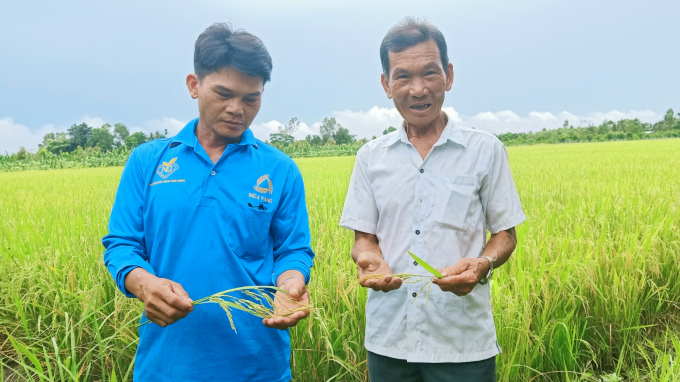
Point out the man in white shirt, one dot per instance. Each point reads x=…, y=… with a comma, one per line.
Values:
x=433, y=189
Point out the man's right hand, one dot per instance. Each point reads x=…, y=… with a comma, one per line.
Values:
x=165, y=301
x=369, y=263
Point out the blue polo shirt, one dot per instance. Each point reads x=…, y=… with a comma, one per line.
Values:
x=210, y=227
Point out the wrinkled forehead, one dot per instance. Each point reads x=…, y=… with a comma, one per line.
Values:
x=418, y=57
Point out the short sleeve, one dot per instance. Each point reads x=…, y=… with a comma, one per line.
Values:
x=360, y=212
x=502, y=207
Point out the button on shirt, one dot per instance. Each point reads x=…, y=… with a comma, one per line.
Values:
x=440, y=209
x=210, y=227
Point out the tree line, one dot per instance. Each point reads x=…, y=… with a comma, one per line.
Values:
x=625, y=129
x=331, y=133
x=88, y=138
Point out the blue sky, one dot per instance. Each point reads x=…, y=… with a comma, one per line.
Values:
x=519, y=65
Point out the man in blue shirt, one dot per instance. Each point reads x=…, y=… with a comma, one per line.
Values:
x=212, y=209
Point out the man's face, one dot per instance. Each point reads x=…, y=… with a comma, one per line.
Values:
x=417, y=82
x=228, y=100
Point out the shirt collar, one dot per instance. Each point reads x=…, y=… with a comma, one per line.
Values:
x=450, y=133
x=188, y=136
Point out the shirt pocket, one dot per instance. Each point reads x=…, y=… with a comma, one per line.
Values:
x=249, y=235
x=457, y=202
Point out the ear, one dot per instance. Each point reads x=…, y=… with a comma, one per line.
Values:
x=449, y=76
x=192, y=85
x=386, y=85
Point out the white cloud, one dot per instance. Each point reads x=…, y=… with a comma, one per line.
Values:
x=375, y=120
x=369, y=123
x=14, y=135
x=91, y=121
x=262, y=130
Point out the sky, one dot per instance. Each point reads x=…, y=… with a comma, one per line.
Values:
x=519, y=65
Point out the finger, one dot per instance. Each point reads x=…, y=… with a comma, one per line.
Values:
x=174, y=300
x=164, y=311
x=153, y=317
x=363, y=261
x=394, y=284
x=459, y=267
x=383, y=283
x=282, y=322
x=297, y=289
x=179, y=290
x=467, y=278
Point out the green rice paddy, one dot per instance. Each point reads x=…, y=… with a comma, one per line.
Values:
x=591, y=294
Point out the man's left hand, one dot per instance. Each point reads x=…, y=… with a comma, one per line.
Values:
x=462, y=277
x=297, y=291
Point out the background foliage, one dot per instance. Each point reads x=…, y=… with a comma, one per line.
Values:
x=84, y=146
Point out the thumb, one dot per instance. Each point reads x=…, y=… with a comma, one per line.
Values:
x=365, y=260
x=179, y=290
x=296, y=291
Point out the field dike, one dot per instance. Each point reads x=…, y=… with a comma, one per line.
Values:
x=591, y=294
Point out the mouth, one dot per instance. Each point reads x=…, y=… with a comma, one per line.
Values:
x=234, y=123
x=421, y=107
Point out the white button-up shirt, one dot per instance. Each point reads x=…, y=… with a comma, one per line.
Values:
x=440, y=209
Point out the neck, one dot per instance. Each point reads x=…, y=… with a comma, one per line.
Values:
x=210, y=140
x=431, y=129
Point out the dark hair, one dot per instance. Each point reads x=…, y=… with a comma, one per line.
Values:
x=407, y=33
x=219, y=47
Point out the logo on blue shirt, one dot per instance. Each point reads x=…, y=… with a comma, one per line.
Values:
x=263, y=190
x=167, y=168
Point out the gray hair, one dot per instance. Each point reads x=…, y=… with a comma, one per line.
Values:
x=407, y=33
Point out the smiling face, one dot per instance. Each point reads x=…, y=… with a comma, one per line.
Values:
x=417, y=82
x=228, y=101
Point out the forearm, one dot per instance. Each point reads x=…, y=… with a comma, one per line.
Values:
x=501, y=246
x=365, y=242
x=136, y=280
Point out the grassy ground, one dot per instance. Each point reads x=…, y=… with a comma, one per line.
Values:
x=592, y=291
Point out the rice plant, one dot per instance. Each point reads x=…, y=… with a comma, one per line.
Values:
x=591, y=294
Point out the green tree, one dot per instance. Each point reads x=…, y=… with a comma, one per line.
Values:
x=342, y=136
x=120, y=134
x=22, y=154
x=134, y=140
x=157, y=135
x=101, y=137
x=328, y=128
x=79, y=135
x=282, y=139
x=291, y=127
x=389, y=130
x=48, y=137
x=314, y=140
x=58, y=145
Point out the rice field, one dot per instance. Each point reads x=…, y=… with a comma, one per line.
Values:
x=591, y=294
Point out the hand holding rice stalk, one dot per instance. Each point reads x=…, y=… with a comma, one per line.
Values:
x=411, y=277
x=259, y=301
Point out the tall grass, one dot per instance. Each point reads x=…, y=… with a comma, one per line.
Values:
x=591, y=294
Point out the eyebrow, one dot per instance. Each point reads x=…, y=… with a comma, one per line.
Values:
x=222, y=89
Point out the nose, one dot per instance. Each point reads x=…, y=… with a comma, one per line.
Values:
x=418, y=88
x=234, y=107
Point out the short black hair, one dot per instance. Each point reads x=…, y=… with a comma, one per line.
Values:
x=407, y=33
x=219, y=47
